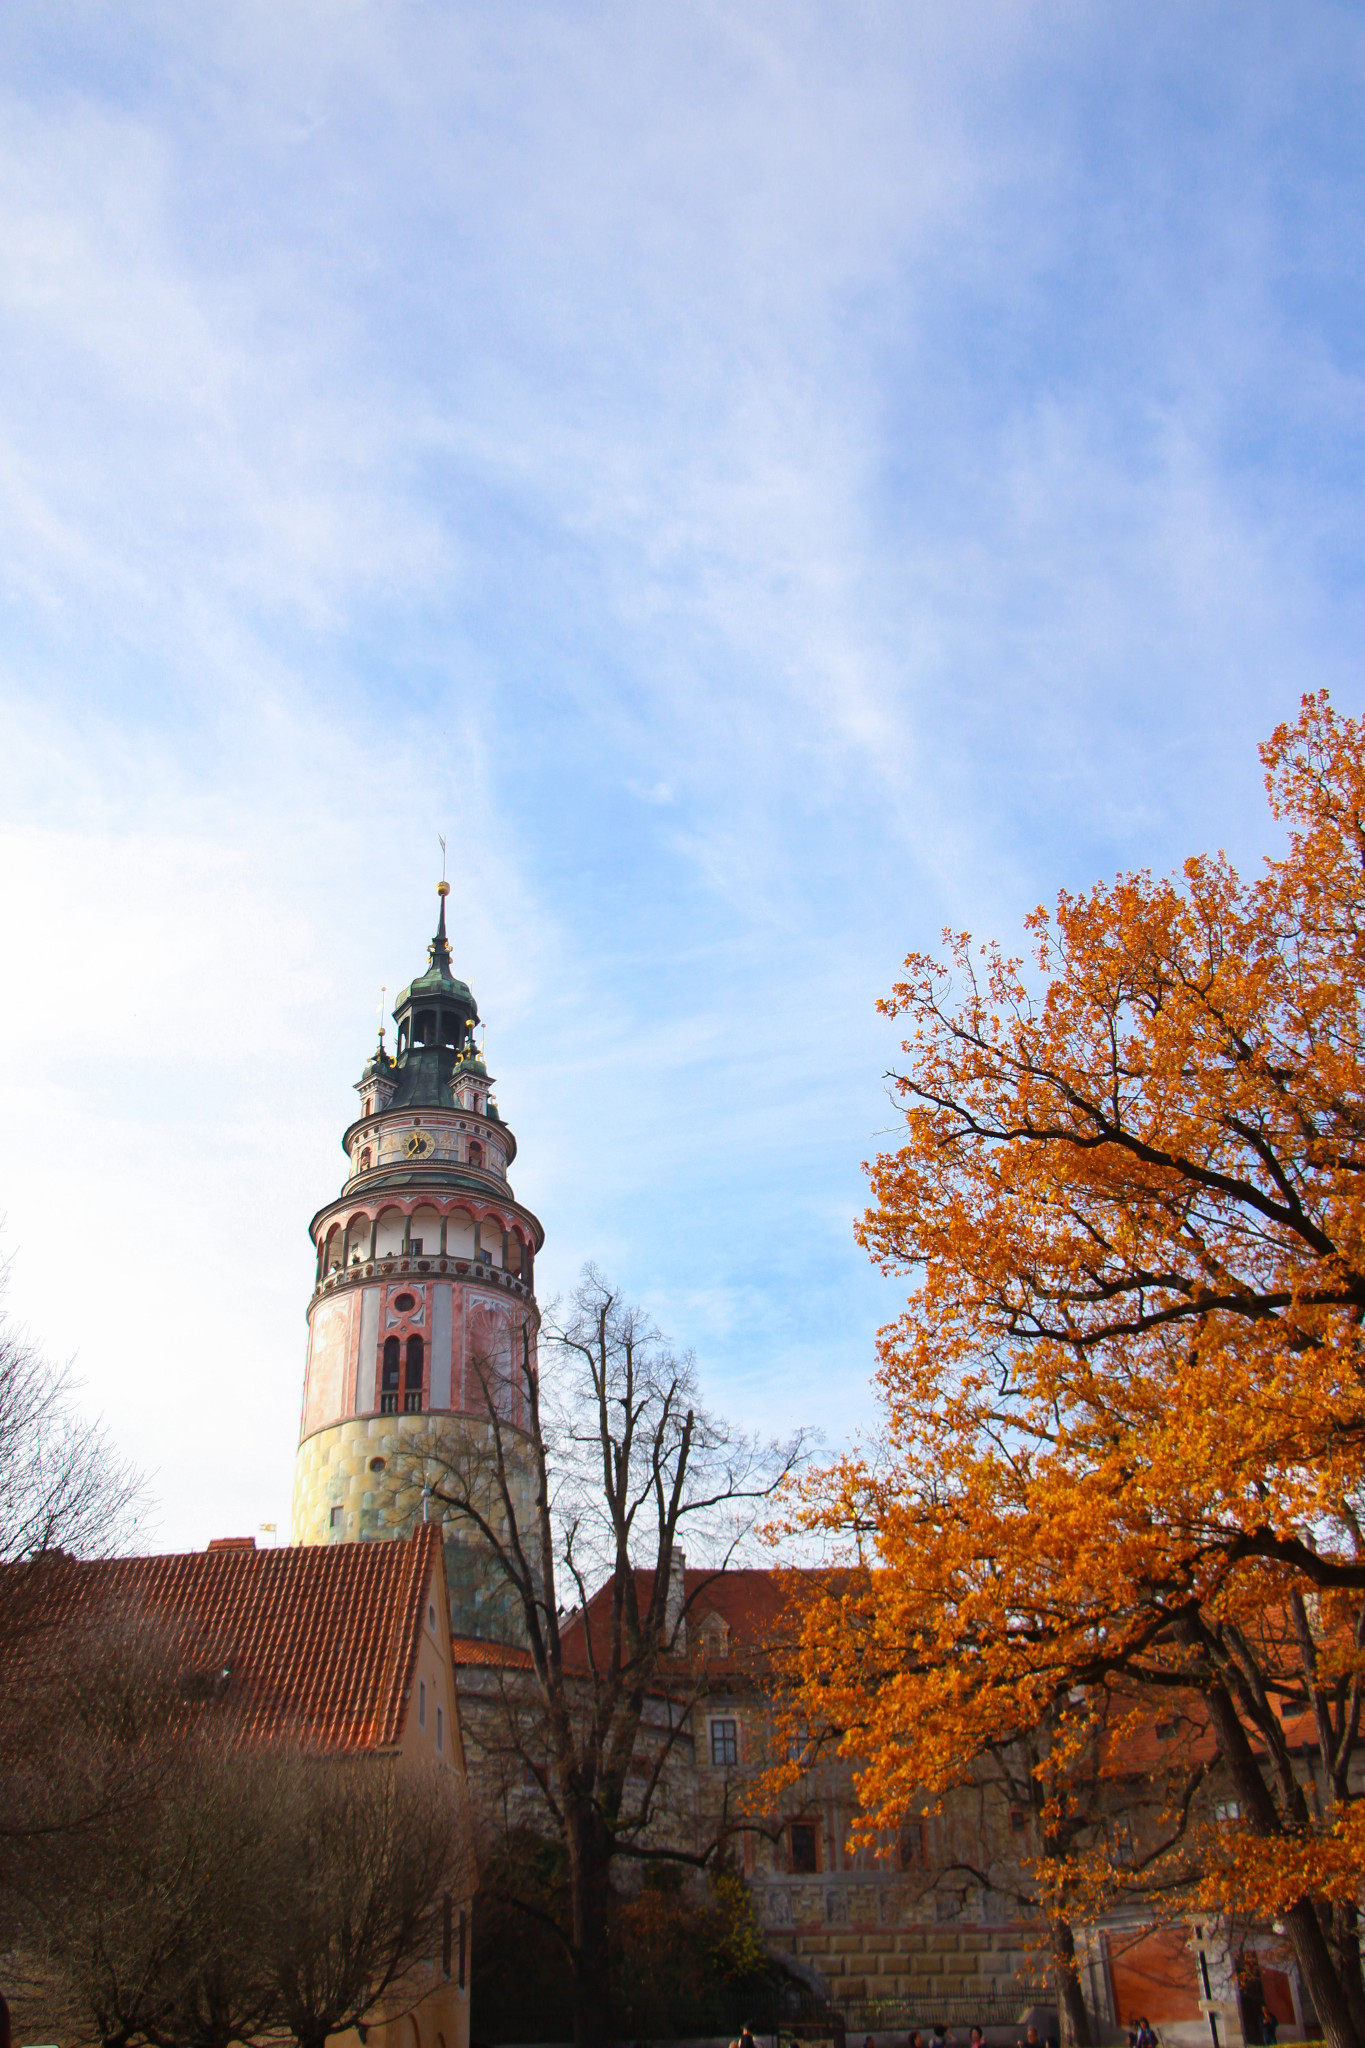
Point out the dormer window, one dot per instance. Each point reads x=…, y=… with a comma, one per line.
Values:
x=715, y=1637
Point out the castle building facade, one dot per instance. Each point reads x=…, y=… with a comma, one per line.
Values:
x=424, y=1294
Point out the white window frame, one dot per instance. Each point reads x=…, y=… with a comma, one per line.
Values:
x=730, y=1722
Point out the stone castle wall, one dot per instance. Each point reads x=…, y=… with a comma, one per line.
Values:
x=917, y=1963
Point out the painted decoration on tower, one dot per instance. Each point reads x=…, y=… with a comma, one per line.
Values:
x=329, y=1351
x=492, y=1340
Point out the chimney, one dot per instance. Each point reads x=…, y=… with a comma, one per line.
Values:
x=677, y=1598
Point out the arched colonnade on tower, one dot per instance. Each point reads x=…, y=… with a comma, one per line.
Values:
x=425, y=1227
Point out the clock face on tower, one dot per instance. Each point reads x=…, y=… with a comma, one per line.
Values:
x=419, y=1145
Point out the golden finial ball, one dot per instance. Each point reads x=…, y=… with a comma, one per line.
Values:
x=443, y=888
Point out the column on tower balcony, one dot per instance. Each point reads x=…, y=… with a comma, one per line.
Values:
x=440, y=1344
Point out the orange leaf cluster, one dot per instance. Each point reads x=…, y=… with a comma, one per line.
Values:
x=1125, y=1404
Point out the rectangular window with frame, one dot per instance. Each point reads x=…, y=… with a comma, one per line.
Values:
x=440, y=1729
x=463, y=1948
x=421, y=1703
x=803, y=1846
x=724, y=1742
x=912, y=1856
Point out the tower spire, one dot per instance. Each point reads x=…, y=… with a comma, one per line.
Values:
x=438, y=952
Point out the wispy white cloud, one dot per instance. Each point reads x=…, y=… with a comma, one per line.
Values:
x=762, y=484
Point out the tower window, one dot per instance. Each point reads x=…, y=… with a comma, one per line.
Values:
x=336, y=1518
x=403, y=1302
x=475, y=1154
x=414, y=1372
x=421, y=1703
x=391, y=1362
x=365, y=1159
x=440, y=1729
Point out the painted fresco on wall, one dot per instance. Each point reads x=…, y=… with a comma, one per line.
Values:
x=329, y=1353
x=493, y=1341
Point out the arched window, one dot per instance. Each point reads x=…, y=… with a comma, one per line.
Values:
x=365, y=1160
x=475, y=1154
x=412, y=1398
x=390, y=1363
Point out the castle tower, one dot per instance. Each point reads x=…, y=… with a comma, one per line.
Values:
x=425, y=1280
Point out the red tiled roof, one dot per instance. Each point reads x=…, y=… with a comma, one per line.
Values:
x=750, y=1603
x=321, y=1639
x=501, y=1656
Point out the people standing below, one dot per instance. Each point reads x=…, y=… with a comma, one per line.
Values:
x=943, y=2036
x=977, y=2038
x=1146, y=2036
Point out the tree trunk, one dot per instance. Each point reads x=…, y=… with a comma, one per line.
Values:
x=1321, y=1978
x=1346, y=1955
x=589, y=1884
x=1072, y=2018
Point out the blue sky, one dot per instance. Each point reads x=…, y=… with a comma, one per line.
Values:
x=765, y=482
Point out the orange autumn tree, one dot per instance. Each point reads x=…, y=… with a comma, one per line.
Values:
x=1125, y=1405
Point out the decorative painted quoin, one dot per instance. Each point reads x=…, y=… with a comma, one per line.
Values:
x=424, y=1295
